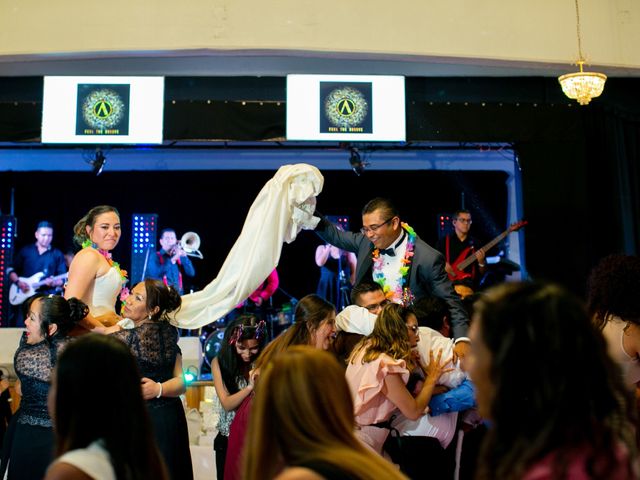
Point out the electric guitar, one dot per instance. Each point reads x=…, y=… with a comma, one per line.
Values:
x=17, y=296
x=461, y=263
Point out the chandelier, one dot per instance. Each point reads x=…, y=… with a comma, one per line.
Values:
x=582, y=86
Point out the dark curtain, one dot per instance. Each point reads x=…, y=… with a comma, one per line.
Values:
x=613, y=166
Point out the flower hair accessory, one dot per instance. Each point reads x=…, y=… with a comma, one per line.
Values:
x=237, y=334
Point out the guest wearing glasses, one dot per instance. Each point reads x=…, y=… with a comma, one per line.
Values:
x=391, y=254
x=357, y=320
x=458, y=247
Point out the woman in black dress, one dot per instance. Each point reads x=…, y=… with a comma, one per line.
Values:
x=154, y=343
x=337, y=274
x=28, y=448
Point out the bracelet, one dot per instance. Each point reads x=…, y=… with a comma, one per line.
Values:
x=482, y=265
x=160, y=392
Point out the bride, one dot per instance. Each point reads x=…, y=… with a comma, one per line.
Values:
x=94, y=277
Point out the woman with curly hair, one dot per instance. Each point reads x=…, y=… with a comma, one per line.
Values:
x=311, y=436
x=613, y=304
x=555, y=399
x=378, y=371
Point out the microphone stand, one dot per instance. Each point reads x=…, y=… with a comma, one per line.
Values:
x=146, y=262
x=342, y=298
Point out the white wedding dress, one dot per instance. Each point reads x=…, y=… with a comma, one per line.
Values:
x=105, y=293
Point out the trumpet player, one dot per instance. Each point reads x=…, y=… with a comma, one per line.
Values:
x=171, y=263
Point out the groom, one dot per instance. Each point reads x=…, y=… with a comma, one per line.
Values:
x=391, y=254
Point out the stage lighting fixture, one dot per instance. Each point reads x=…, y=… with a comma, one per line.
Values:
x=357, y=164
x=144, y=228
x=98, y=162
x=8, y=226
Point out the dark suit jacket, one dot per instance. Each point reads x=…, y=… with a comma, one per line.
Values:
x=427, y=276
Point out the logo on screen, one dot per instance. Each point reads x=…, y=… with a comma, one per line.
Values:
x=102, y=109
x=345, y=107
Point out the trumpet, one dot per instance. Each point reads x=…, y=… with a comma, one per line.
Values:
x=190, y=243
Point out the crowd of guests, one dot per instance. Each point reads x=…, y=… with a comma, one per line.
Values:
x=393, y=386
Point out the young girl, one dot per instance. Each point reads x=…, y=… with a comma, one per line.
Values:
x=243, y=341
x=378, y=371
x=314, y=325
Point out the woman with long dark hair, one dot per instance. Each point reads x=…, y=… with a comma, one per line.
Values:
x=48, y=322
x=101, y=422
x=244, y=339
x=555, y=400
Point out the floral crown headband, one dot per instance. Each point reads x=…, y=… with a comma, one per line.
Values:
x=239, y=330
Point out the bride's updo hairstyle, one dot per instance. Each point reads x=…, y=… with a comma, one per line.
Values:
x=89, y=220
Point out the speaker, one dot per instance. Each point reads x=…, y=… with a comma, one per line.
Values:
x=8, y=232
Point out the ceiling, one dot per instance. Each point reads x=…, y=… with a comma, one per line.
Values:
x=206, y=62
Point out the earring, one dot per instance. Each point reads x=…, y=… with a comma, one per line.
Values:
x=149, y=317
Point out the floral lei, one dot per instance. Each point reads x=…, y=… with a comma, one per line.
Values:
x=124, y=291
x=402, y=291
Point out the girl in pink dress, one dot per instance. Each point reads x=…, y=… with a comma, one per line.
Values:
x=378, y=371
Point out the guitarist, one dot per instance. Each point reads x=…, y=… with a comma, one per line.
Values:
x=35, y=258
x=459, y=246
